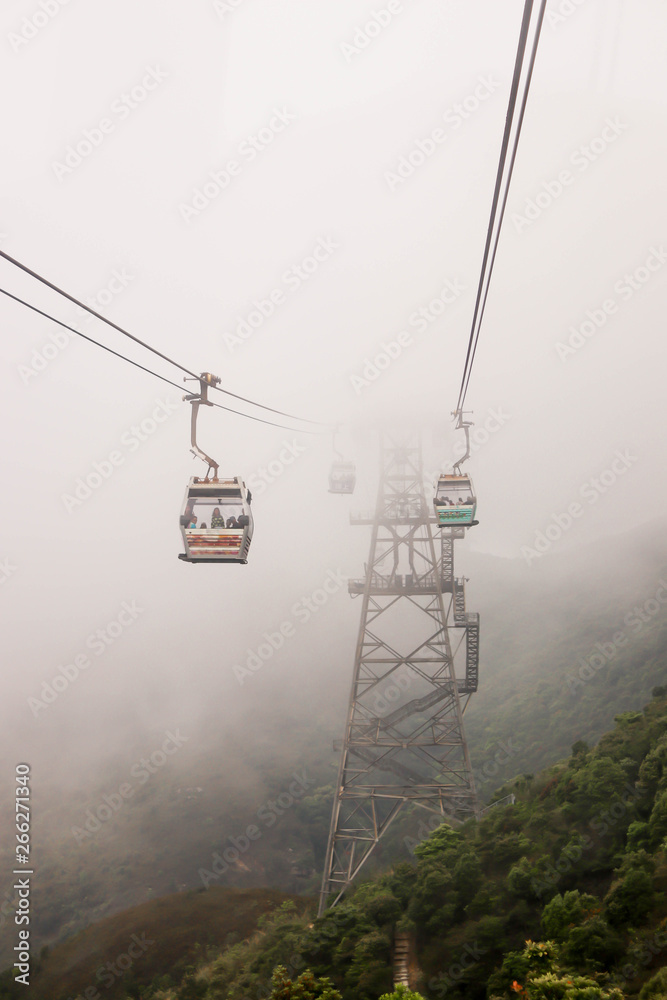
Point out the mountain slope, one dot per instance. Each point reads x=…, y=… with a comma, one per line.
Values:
x=579, y=862
x=153, y=941
x=540, y=623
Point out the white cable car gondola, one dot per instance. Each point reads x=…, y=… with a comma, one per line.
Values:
x=216, y=519
x=455, y=501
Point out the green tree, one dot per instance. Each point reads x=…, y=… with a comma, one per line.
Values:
x=402, y=993
x=306, y=987
x=563, y=913
x=442, y=845
x=638, y=836
x=657, y=824
x=537, y=973
x=597, y=784
x=378, y=902
x=467, y=877
x=629, y=901
x=656, y=987
x=592, y=944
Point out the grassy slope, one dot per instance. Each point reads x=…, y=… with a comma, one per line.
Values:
x=169, y=929
x=157, y=842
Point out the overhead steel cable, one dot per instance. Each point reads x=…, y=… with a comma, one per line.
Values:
x=149, y=371
x=85, y=336
x=493, y=231
x=142, y=343
x=93, y=312
x=522, y=112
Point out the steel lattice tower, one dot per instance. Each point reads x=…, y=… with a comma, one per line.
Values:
x=404, y=742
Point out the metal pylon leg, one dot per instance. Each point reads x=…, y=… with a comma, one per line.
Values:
x=404, y=739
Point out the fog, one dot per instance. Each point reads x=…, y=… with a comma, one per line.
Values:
x=567, y=391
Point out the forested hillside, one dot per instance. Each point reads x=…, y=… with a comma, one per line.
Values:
x=548, y=680
x=560, y=895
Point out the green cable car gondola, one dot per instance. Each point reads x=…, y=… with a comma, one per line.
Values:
x=455, y=501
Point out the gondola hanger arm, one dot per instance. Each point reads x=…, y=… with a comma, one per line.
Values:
x=206, y=379
x=464, y=425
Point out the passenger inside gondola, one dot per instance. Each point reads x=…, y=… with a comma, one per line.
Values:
x=457, y=492
x=222, y=515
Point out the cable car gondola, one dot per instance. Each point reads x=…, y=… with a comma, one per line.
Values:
x=216, y=519
x=455, y=501
x=342, y=477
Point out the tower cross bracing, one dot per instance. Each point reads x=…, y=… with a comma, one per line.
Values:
x=404, y=741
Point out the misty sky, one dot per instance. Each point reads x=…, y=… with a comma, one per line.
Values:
x=159, y=98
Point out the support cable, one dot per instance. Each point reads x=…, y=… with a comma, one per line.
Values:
x=136, y=364
x=493, y=231
x=148, y=347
